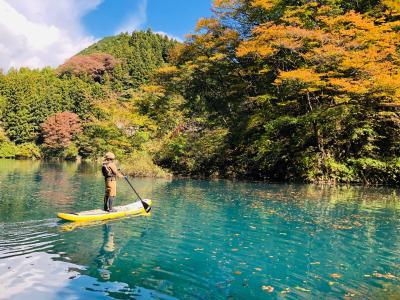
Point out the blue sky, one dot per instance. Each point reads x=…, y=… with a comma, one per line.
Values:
x=39, y=33
x=173, y=17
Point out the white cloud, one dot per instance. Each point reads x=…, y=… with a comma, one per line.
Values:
x=136, y=20
x=170, y=36
x=38, y=33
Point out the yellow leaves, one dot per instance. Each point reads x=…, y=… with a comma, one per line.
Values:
x=267, y=288
x=252, y=47
x=265, y=4
x=269, y=38
x=305, y=76
x=224, y=4
x=335, y=276
x=153, y=89
x=217, y=57
x=301, y=289
x=207, y=23
x=385, y=276
x=393, y=6
x=167, y=70
x=348, y=22
x=326, y=54
x=349, y=55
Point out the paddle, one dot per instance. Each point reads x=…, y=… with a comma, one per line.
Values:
x=146, y=206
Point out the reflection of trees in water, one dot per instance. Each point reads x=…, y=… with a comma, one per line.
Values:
x=18, y=182
x=107, y=253
x=37, y=185
x=18, y=167
x=56, y=184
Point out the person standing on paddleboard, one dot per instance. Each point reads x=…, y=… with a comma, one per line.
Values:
x=110, y=173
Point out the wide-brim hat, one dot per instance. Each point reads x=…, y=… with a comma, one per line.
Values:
x=109, y=155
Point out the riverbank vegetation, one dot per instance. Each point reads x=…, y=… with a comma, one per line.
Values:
x=265, y=89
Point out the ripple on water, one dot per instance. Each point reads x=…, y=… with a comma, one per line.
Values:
x=26, y=237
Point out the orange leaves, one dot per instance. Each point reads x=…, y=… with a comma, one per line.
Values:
x=207, y=23
x=348, y=54
x=326, y=54
x=349, y=23
x=253, y=47
x=347, y=85
x=269, y=38
x=305, y=76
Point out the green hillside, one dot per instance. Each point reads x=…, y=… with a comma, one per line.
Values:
x=139, y=55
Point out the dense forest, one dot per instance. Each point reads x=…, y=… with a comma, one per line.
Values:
x=305, y=90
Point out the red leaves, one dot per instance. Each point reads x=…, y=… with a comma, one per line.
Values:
x=59, y=130
x=95, y=65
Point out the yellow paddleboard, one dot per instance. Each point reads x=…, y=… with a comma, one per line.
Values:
x=98, y=214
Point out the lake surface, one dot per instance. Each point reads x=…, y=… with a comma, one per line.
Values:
x=203, y=239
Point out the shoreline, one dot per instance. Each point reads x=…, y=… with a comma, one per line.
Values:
x=167, y=174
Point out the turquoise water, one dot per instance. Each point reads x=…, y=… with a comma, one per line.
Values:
x=203, y=240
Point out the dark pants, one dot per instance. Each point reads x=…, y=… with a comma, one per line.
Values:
x=108, y=203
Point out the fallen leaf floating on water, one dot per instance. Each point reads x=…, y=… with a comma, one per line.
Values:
x=267, y=288
x=332, y=283
x=237, y=272
x=258, y=269
x=342, y=227
x=299, y=288
x=386, y=276
x=358, y=224
x=315, y=263
x=285, y=291
x=335, y=275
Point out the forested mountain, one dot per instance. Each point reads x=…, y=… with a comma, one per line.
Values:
x=97, y=89
x=265, y=89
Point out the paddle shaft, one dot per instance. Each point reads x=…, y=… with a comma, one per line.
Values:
x=145, y=205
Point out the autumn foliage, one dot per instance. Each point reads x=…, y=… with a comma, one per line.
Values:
x=94, y=65
x=59, y=130
x=306, y=90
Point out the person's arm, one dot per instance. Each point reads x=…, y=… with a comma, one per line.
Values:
x=114, y=169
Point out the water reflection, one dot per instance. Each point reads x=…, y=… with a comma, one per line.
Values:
x=204, y=239
x=107, y=254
